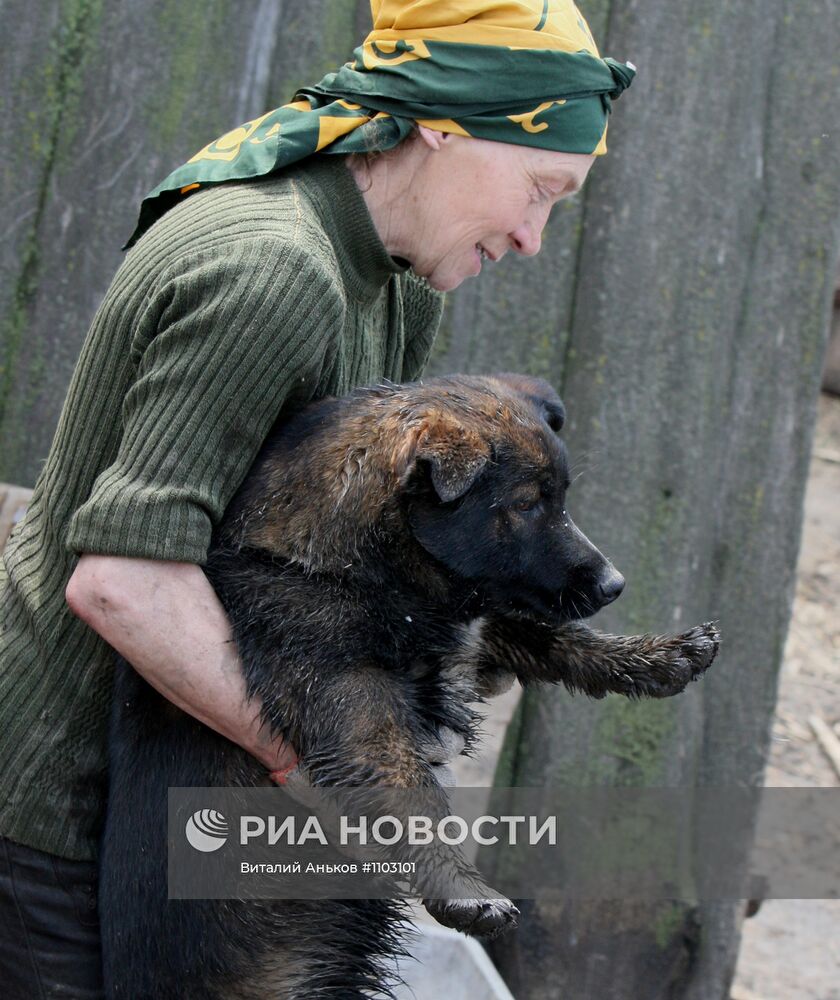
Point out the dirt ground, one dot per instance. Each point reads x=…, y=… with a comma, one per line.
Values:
x=791, y=948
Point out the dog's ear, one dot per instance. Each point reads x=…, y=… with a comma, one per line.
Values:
x=455, y=456
x=455, y=469
x=539, y=394
x=553, y=413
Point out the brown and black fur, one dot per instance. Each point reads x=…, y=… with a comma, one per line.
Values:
x=393, y=557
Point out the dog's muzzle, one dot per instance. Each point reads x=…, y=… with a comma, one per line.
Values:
x=610, y=587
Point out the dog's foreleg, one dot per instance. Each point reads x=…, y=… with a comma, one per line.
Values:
x=594, y=663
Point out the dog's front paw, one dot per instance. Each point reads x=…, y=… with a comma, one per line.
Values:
x=699, y=647
x=485, y=918
x=681, y=659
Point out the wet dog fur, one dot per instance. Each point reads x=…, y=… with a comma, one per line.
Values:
x=392, y=558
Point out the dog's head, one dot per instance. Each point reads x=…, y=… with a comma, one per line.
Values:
x=485, y=485
x=470, y=466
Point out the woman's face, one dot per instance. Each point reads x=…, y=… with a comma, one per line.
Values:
x=472, y=200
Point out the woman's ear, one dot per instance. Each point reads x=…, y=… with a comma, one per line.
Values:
x=431, y=136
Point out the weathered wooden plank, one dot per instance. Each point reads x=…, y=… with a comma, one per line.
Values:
x=698, y=330
x=135, y=90
x=681, y=304
x=316, y=38
x=519, y=314
x=30, y=107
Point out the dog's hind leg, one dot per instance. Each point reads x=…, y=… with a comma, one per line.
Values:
x=364, y=730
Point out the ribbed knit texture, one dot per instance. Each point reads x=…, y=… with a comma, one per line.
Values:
x=242, y=300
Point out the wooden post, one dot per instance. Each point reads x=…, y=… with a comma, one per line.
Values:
x=681, y=304
x=13, y=501
x=691, y=335
x=101, y=101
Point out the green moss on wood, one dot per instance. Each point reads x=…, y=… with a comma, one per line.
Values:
x=59, y=87
x=628, y=743
x=75, y=42
x=506, y=767
x=327, y=50
x=199, y=57
x=669, y=923
x=338, y=35
x=12, y=327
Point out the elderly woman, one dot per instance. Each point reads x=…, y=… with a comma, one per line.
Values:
x=260, y=276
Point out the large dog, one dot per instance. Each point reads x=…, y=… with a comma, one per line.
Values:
x=391, y=558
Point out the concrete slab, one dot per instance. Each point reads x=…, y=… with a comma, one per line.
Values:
x=448, y=964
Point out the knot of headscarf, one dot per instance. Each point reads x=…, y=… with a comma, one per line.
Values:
x=525, y=72
x=622, y=74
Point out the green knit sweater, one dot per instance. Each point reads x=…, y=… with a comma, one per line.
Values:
x=243, y=300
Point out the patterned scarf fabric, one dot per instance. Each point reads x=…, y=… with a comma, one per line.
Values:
x=524, y=72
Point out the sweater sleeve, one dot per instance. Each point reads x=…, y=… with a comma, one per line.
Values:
x=422, y=308
x=244, y=331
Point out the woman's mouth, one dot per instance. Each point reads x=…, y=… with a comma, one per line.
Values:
x=481, y=255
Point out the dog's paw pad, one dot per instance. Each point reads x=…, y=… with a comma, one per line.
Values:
x=699, y=646
x=483, y=918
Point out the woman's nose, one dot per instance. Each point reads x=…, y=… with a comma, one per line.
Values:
x=526, y=241
x=527, y=237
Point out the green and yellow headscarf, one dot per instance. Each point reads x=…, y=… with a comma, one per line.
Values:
x=520, y=71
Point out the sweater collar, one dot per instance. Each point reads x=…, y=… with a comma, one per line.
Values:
x=365, y=264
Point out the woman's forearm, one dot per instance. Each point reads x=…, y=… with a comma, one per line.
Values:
x=167, y=621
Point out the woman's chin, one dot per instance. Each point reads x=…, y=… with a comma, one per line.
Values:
x=442, y=283
x=447, y=282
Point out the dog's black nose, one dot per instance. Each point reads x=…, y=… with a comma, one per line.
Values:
x=611, y=586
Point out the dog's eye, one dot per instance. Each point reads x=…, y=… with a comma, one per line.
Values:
x=527, y=506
